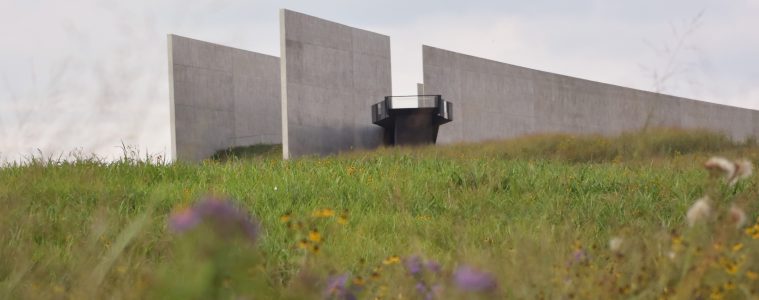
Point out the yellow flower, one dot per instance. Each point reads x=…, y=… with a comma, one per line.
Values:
x=677, y=243
x=315, y=236
x=323, y=213
x=395, y=259
x=729, y=286
x=577, y=245
x=716, y=294
x=730, y=266
x=343, y=218
x=375, y=275
x=315, y=249
x=351, y=170
x=752, y=275
x=359, y=281
x=303, y=244
x=284, y=218
x=737, y=247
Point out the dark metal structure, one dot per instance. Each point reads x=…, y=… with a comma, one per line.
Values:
x=412, y=120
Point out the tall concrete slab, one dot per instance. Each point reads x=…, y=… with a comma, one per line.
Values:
x=221, y=97
x=494, y=100
x=331, y=75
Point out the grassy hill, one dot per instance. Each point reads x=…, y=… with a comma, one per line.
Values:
x=528, y=218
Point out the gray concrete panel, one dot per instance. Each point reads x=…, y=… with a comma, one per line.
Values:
x=331, y=75
x=494, y=100
x=221, y=97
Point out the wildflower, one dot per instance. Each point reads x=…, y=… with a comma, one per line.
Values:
x=343, y=218
x=337, y=288
x=315, y=249
x=720, y=165
x=433, y=266
x=716, y=294
x=314, y=236
x=615, y=244
x=183, y=219
x=471, y=280
x=737, y=247
x=223, y=215
x=579, y=256
x=730, y=266
x=737, y=216
x=303, y=244
x=391, y=260
x=323, y=213
x=358, y=281
x=733, y=171
x=413, y=265
x=743, y=170
x=728, y=286
x=752, y=275
x=753, y=231
x=285, y=218
x=699, y=211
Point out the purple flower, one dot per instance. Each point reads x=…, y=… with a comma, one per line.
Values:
x=413, y=265
x=471, y=280
x=421, y=288
x=183, y=220
x=337, y=288
x=578, y=257
x=433, y=266
x=221, y=214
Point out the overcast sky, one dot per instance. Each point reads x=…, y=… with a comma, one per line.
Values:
x=89, y=75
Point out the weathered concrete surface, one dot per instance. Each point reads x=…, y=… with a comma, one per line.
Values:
x=331, y=75
x=221, y=97
x=494, y=100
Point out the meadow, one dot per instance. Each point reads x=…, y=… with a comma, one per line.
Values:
x=539, y=217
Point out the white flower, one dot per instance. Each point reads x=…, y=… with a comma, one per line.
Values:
x=699, y=211
x=743, y=169
x=737, y=216
x=721, y=165
x=275, y=188
x=615, y=244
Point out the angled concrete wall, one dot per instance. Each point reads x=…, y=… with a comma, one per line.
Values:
x=221, y=97
x=494, y=100
x=331, y=75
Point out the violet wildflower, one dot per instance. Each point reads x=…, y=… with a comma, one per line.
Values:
x=433, y=266
x=472, y=280
x=183, y=219
x=413, y=265
x=222, y=214
x=337, y=288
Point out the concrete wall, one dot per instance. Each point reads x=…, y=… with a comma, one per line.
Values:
x=494, y=100
x=221, y=97
x=331, y=75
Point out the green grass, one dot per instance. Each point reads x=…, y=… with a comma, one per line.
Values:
x=518, y=209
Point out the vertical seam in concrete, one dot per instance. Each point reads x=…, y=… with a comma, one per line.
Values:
x=171, y=100
x=233, y=138
x=283, y=83
x=354, y=122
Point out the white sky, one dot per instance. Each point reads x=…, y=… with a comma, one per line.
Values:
x=89, y=74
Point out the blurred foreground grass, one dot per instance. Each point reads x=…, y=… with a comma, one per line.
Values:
x=536, y=213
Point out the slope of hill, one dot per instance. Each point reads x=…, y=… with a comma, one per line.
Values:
x=550, y=216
